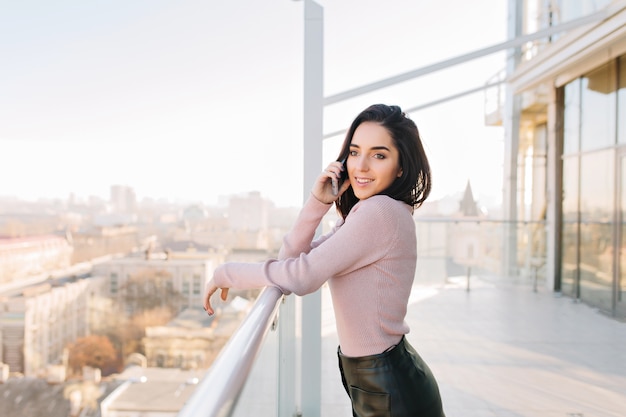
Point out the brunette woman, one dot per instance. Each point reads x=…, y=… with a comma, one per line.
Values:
x=368, y=260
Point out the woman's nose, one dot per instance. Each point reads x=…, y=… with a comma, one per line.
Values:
x=361, y=164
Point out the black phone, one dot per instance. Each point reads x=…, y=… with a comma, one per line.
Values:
x=344, y=174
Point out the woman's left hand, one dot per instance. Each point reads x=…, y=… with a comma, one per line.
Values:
x=323, y=186
x=209, y=290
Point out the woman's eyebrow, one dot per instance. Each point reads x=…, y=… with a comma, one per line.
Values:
x=375, y=148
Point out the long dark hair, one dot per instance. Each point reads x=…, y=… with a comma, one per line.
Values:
x=413, y=186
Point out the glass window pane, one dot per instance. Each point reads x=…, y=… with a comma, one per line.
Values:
x=597, y=178
x=621, y=287
x=597, y=122
x=571, y=117
x=596, y=186
x=621, y=102
x=569, y=258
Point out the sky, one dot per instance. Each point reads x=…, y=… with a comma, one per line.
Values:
x=192, y=100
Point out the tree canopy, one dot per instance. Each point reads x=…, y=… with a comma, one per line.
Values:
x=96, y=351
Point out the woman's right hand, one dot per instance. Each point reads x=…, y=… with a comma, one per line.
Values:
x=323, y=187
x=210, y=289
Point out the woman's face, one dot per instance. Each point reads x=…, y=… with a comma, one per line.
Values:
x=373, y=162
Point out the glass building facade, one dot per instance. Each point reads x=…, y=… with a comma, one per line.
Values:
x=592, y=203
x=571, y=91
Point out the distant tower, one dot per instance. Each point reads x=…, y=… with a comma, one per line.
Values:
x=467, y=205
x=469, y=239
x=123, y=199
x=248, y=212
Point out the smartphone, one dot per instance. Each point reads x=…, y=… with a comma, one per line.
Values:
x=337, y=182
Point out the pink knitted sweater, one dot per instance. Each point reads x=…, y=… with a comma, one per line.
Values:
x=368, y=261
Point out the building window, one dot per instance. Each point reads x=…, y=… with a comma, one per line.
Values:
x=594, y=106
x=571, y=118
x=114, y=283
x=197, y=283
x=598, y=108
x=621, y=100
x=597, y=181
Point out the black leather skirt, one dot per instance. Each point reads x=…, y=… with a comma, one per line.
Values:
x=395, y=383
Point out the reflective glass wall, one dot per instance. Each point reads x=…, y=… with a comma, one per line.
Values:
x=593, y=133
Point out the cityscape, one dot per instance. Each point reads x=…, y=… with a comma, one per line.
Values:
x=92, y=293
x=87, y=289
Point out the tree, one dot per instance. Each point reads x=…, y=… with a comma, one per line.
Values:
x=150, y=289
x=95, y=351
x=148, y=299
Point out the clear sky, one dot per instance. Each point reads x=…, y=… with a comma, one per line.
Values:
x=190, y=100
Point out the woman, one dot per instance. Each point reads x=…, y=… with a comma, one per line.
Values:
x=368, y=260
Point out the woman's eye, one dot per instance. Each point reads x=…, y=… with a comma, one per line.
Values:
x=379, y=156
x=353, y=153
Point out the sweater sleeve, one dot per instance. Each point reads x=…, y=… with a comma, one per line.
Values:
x=300, y=237
x=366, y=235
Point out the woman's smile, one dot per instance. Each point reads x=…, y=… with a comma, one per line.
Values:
x=360, y=180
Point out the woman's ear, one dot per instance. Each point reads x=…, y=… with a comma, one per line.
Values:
x=400, y=172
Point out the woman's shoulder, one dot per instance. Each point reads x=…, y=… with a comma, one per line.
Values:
x=383, y=205
x=381, y=200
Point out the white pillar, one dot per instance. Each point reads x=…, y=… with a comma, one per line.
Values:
x=311, y=359
x=555, y=191
x=511, y=122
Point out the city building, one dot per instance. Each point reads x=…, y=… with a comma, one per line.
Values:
x=98, y=241
x=193, y=339
x=565, y=163
x=183, y=275
x=34, y=397
x=23, y=257
x=150, y=392
x=248, y=222
x=39, y=321
x=248, y=212
x=123, y=199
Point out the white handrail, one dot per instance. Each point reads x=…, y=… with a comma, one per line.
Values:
x=218, y=391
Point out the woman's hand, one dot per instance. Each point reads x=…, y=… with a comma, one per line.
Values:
x=323, y=187
x=209, y=290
